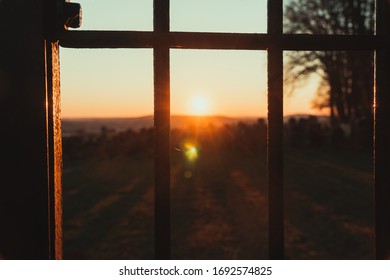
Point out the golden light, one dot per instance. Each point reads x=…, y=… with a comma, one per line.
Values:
x=199, y=105
x=191, y=152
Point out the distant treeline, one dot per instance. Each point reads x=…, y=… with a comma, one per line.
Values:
x=310, y=132
x=242, y=137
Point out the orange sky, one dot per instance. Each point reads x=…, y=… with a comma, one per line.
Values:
x=119, y=83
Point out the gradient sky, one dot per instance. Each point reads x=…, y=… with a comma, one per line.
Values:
x=119, y=82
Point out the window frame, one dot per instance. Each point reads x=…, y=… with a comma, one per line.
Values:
x=161, y=39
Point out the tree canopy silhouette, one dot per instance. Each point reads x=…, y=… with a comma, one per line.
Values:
x=346, y=77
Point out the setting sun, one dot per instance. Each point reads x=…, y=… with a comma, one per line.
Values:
x=199, y=105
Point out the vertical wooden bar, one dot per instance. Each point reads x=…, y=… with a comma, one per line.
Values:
x=54, y=148
x=382, y=136
x=53, y=27
x=275, y=132
x=162, y=131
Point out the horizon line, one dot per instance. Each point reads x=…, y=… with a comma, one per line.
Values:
x=186, y=115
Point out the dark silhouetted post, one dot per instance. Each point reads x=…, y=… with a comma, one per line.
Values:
x=30, y=162
x=382, y=135
x=162, y=211
x=275, y=131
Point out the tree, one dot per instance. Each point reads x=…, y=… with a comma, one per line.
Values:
x=347, y=77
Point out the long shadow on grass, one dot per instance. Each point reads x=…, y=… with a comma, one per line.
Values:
x=328, y=205
x=93, y=214
x=219, y=213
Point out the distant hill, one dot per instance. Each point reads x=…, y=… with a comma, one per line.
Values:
x=93, y=125
x=71, y=126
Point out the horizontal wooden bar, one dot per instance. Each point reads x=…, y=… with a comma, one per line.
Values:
x=332, y=42
x=223, y=41
x=106, y=39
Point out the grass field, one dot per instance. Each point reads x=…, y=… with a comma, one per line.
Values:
x=219, y=205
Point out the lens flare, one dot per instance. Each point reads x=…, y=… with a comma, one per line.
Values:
x=187, y=174
x=191, y=152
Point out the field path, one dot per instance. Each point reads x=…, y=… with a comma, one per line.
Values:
x=218, y=213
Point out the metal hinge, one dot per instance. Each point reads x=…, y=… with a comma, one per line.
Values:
x=71, y=15
x=60, y=16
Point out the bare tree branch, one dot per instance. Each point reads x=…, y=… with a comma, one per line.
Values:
x=347, y=78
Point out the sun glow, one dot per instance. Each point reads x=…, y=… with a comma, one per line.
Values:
x=199, y=105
